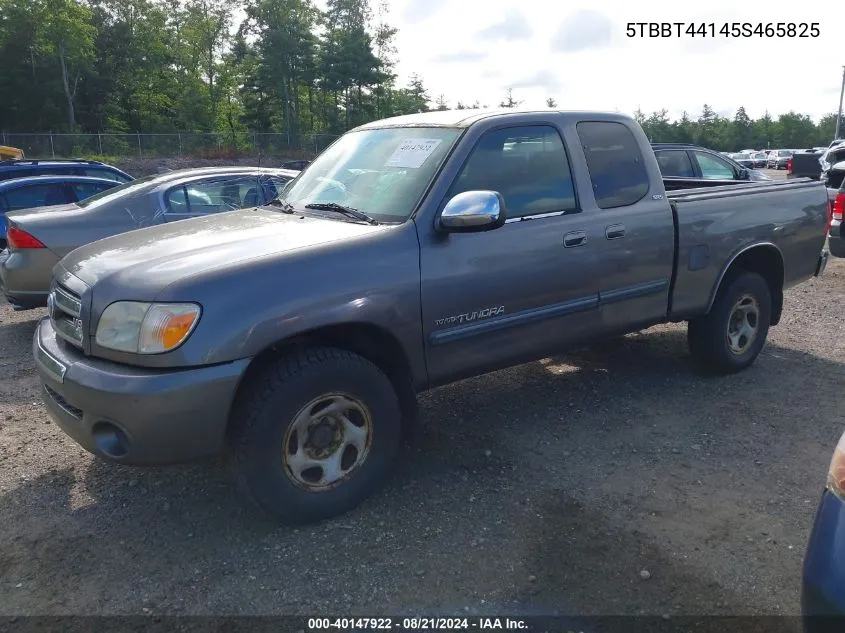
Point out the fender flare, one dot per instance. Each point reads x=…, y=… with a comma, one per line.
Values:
x=736, y=255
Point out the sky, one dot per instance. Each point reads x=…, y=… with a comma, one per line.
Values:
x=577, y=52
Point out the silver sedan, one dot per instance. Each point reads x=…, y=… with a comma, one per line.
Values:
x=38, y=238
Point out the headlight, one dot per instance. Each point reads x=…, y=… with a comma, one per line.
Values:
x=146, y=328
x=836, y=472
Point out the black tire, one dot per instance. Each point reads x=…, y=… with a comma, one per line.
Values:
x=707, y=335
x=264, y=415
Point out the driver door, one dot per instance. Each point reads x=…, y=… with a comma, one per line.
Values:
x=511, y=294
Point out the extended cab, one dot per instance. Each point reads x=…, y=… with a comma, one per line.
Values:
x=414, y=252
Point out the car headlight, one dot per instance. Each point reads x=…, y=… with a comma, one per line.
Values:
x=146, y=328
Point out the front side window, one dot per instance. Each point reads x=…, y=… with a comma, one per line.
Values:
x=527, y=165
x=615, y=162
x=382, y=172
x=273, y=185
x=674, y=164
x=713, y=168
x=36, y=196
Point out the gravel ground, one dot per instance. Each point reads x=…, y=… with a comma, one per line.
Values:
x=555, y=484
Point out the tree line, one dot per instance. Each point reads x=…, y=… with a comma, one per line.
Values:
x=231, y=66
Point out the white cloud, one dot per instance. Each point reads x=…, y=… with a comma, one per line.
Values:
x=583, y=30
x=512, y=26
x=581, y=56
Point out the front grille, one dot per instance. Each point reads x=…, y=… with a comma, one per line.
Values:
x=59, y=400
x=65, y=309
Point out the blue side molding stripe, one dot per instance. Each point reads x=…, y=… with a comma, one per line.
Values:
x=547, y=312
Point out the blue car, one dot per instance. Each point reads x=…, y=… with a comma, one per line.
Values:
x=25, y=167
x=823, y=586
x=46, y=191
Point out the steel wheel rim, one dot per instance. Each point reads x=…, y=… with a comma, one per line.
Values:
x=743, y=324
x=327, y=442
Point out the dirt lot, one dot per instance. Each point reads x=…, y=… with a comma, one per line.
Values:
x=553, y=484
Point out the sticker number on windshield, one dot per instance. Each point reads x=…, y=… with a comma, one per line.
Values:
x=412, y=152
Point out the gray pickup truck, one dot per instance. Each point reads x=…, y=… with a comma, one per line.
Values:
x=413, y=252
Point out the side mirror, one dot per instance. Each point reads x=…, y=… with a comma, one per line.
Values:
x=744, y=174
x=473, y=211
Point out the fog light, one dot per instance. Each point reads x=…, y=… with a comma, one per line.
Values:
x=110, y=440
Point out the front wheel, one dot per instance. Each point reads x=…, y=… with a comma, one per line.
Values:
x=730, y=337
x=315, y=434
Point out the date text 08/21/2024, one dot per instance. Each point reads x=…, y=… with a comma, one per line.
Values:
x=416, y=624
x=727, y=29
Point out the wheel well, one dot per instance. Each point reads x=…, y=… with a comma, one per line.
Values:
x=369, y=341
x=766, y=261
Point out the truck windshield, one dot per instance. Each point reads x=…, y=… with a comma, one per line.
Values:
x=382, y=172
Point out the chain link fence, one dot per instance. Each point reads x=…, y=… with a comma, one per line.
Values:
x=169, y=145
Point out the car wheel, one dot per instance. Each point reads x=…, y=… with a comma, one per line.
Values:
x=729, y=338
x=314, y=434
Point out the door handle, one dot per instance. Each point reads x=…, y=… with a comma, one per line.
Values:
x=574, y=238
x=614, y=231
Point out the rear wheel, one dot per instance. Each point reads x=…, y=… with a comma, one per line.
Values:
x=315, y=434
x=729, y=338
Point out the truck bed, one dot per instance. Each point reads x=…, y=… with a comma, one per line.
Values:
x=713, y=224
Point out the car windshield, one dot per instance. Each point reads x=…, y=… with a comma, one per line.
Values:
x=784, y=152
x=116, y=192
x=382, y=172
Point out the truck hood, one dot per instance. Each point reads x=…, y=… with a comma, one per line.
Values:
x=149, y=259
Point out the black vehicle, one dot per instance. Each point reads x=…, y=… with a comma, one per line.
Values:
x=299, y=165
x=25, y=167
x=804, y=165
x=836, y=241
x=683, y=164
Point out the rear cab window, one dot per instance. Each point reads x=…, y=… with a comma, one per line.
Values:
x=615, y=163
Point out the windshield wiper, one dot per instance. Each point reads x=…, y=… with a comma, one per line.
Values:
x=284, y=207
x=339, y=208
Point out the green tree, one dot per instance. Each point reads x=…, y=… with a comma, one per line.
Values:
x=509, y=101
x=551, y=103
x=741, y=130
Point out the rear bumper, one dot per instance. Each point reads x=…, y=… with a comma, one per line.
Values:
x=25, y=276
x=135, y=415
x=835, y=241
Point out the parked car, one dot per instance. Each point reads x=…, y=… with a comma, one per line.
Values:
x=836, y=190
x=831, y=156
x=823, y=580
x=298, y=165
x=7, y=152
x=683, y=166
x=413, y=252
x=743, y=159
x=43, y=191
x=760, y=159
x=22, y=168
x=779, y=158
x=804, y=165
x=38, y=238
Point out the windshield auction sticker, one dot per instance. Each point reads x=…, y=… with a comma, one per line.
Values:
x=412, y=152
